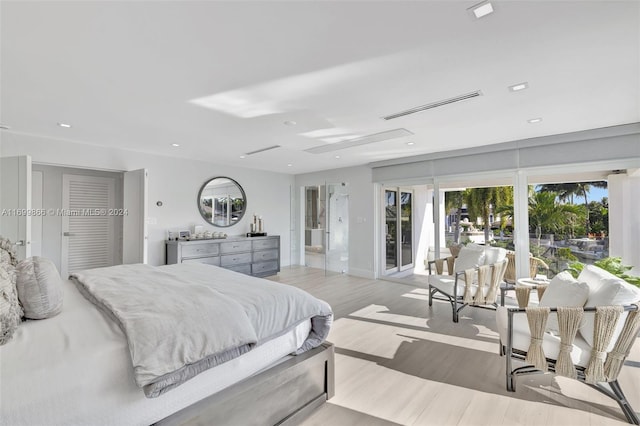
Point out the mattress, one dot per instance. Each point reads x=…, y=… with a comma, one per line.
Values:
x=75, y=369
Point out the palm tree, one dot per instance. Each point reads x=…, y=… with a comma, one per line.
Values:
x=546, y=214
x=454, y=200
x=566, y=191
x=480, y=201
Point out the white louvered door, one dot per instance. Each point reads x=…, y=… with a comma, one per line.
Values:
x=88, y=208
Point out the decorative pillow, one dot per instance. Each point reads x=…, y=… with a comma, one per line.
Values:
x=10, y=311
x=610, y=291
x=39, y=288
x=563, y=290
x=494, y=255
x=7, y=252
x=470, y=256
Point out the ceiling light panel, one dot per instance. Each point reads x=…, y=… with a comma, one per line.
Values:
x=481, y=9
x=518, y=87
x=433, y=105
x=376, y=137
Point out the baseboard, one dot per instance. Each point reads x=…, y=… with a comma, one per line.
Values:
x=362, y=273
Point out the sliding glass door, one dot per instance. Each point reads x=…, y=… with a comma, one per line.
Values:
x=398, y=208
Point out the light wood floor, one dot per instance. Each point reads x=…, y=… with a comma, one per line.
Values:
x=400, y=362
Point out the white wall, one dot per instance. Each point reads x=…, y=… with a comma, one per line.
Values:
x=624, y=218
x=362, y=256
x=173, y=181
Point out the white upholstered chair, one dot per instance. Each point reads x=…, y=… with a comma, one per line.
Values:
x=583, y=329
x=472, y=278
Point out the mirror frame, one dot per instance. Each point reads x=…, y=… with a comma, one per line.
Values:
x=204, y=185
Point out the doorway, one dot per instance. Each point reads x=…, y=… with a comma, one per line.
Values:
x=76, y=235
x=326, y=227
x=398, y=242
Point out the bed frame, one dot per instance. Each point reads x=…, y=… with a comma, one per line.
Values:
x=282, y=395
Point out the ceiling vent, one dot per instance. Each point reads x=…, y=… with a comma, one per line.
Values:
x=263, y=150
x=434, y=105
x=363, y=140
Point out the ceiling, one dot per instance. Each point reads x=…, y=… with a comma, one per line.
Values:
x=226, y=78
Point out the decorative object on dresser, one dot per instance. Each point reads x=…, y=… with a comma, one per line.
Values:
x=222, y=201
x=257, y=256
x=256, y=228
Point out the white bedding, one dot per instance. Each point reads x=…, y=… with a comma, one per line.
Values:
x=75, y=369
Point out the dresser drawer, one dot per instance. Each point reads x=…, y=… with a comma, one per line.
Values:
x=215, y=260
x=206, y=249
x=259, y=256
x=235, y=259
x=235, y=246
x=265, y=244
x=243, y=269
x=265, y=268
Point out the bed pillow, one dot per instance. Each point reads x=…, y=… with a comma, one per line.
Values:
x=7, y=252
x=563, y=290
x=10, y=311
x=39, y=288
x=471, y=256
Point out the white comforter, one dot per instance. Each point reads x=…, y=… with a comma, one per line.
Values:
x=198, y=316
x=75, y=369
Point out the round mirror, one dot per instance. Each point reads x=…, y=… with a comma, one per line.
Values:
x=222, y=201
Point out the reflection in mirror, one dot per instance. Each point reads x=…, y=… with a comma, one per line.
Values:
x=222, y=201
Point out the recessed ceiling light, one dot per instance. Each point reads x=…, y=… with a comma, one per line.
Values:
x=289, y=165
x=519, y=86
x=535, y=120
x=337, y=156
x=482, y=9
x=175, y=144
x=243, y=156
x=65, y=125
x=290, y=123
x=411, y=143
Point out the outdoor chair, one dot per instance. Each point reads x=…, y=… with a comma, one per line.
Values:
x=582, y=329
x=535, y=265
x=473, y=278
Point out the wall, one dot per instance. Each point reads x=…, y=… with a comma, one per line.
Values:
x=624, y=218
x=362, y=258
x=173, y=181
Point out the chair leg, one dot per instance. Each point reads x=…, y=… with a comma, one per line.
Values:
x=430, y=295
x=511, y=383
x=628, y=411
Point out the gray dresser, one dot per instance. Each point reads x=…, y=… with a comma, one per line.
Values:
x=257, y=256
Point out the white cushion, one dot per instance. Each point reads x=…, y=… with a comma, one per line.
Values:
x=494, y=255
x=445, y=284
x=611, y=291
x=39, y=288
x=471, y=256
x=580, y=354
x=563, y=290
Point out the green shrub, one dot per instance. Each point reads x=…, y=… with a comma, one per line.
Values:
x=611, y=264
x=565, y=253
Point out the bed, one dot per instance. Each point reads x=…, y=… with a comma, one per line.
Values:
x=76, y=368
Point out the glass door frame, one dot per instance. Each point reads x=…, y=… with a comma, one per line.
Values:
x=399, y=267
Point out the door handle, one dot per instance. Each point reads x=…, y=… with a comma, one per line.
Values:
x=69, y=234
x=19, y=243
